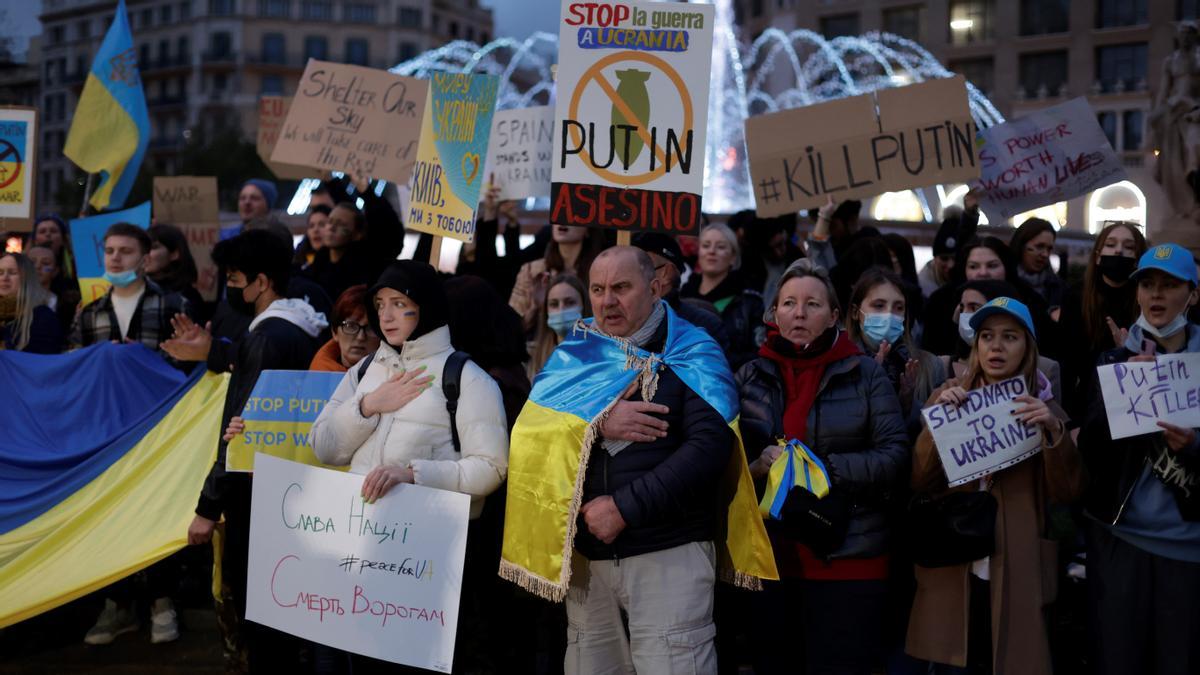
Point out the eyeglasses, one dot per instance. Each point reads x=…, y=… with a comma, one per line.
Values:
x=351, y=328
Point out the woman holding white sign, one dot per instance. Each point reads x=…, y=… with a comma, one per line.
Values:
x=1000, y=596
x=1143, y=499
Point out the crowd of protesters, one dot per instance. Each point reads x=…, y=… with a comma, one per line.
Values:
x=830, y=335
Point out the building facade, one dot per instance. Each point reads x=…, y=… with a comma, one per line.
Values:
x=204, y=63
x=1029, y=54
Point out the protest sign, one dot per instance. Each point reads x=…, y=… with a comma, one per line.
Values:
x=18, y=174
x=87, y=245
x=272, y=111
x=1138, y=395
x=1047, y=156
x=923, y=134
x=278, y=416
x=382, y=579
x=631, y=115
x=362, y=121
x=448, y=176
x=201, y=238
x=982, y=436
x=519, y=152
x=185, y=199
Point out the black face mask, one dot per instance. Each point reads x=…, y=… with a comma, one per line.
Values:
x=238, y=302
x=1117, y=267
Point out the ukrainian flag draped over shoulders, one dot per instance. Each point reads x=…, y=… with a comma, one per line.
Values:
x=559, y=425
x=111, y=128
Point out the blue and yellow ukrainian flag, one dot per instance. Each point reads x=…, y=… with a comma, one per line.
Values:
x=111, y=128
x=558, y=428
x=797, y=466
x=102, y=458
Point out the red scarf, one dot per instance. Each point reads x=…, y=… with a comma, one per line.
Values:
x=801, y=372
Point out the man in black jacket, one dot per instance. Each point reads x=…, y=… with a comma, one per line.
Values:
x=282, y=336
x=650, y=512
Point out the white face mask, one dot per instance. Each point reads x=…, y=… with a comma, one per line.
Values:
x=964, y=327
x=1177, y=324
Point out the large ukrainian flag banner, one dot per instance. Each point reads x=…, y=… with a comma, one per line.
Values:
x=111, y=127
x=559, y=425
x=103, y=454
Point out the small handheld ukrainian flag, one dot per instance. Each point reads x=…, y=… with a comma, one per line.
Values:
x=798, y=466
x=111, y=128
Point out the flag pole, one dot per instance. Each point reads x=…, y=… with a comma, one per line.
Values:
x=87, y=194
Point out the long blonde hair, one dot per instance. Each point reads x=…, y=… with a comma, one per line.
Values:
x=546, y=340
x=30, y=295
x=1028, y=368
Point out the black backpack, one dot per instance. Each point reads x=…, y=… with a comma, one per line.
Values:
x=451, y=381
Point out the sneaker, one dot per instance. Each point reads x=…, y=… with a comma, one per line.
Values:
x=113, y=621
x=164, y=626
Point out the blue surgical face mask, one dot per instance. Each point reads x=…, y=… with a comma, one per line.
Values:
x=121, y=279
x=1177, y=324
x=561, y=322
x=964, y=327
x=879, y=327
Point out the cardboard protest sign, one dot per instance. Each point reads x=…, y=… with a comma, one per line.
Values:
x=631, y=116
x=278, y=416
x=1138, y=395
x=272, y=111
x=87, y=245
x=363, y=121
x=922, y=135
x=382, y=579
x=519, y=152
x=201, y=238
x=18, y=173
x=185, y=199
x=448, y=176
x=982, y=436
x=1047, y=156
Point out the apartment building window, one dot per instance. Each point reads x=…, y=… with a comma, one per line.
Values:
x=1040, y=17
x=410, y=17
x=166, y=14
x=274, y=48
x=184, y=50
x=756, y=7
x=360, y=12
x=971, y=21
x=147, y=18
x=979, y=72
x=471, y=33
x=143, y=55
x=185, y=10
x=904, y=21
x=49, y=76
x=81, y=66
x=58, y=35
x=1117, y=13
x=220, y=7
x=1043, y=73
x=317, y=10
x=83, y=30
x=316, y=47
x=483, y=37
x=408, y=51
x=164, y=52
x=1121, y=66
x=1132, y=126
x=272, y=85
x=1188, y=10
x=280, y=9
x=1108, y=123
x=220, y=44
x=839, y=25
x=357, y=51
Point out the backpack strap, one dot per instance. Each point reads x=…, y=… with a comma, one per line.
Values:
x=451, y=388
x=363, y=365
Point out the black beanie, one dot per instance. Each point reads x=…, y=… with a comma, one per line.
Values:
x=947, y=240
x=420, y=282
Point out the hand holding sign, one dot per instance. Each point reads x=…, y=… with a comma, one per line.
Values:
x=384, y=478
x=236, y=426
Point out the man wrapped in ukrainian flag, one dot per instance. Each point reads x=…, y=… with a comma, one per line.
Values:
x=628, y=486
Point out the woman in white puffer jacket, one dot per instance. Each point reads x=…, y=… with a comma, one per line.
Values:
x=392, y=425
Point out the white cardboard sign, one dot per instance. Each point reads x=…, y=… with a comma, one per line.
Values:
x=1138, y=395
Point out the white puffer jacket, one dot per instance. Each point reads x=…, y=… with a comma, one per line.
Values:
x=418, y=435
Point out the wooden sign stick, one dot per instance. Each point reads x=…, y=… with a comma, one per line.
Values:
x=435, y=252
x=624, y=238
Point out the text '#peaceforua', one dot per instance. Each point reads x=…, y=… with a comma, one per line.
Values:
x=285, y=594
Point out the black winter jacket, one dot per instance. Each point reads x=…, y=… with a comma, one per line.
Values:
x=1113, y=467
x=666, y=490
x=855, y=426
